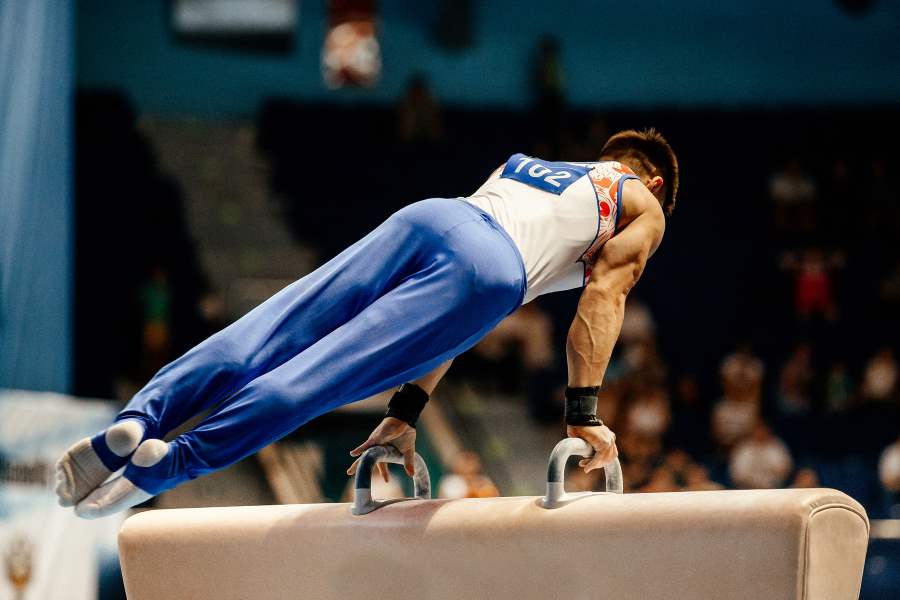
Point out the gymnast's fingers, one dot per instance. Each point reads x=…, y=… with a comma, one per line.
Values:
x=385, y=472
x=595, y=463
x=363, y=447
x=353, y=467
x=409, y=461
x=600, y=459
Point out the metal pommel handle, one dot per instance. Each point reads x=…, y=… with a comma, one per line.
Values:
x=556, y=493
x=362, y=485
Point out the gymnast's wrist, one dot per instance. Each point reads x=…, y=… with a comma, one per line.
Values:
x=407, y=403
x=581, y=406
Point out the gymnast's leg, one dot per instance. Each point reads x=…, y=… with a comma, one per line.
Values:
x=278, y=329
x=434, y=314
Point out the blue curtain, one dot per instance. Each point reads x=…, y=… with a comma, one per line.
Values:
x=36, y=64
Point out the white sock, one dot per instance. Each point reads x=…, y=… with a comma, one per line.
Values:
x=80, y=470
x=123, y=437
x=120, y=494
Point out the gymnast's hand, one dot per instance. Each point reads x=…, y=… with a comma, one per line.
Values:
x=391, y=432
x=603, y=441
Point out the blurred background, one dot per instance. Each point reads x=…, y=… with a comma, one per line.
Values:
x=166, y=165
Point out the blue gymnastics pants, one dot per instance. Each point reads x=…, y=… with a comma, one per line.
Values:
x=423, y=287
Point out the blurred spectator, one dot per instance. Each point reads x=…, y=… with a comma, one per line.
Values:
x=638, y=325
x=793, y=193
x=467, y=479
x=679, y=463
x=838, y=388
x=608, y=402
x=655, y=473
x=661, y=480
x=689, y=418
x=889, y=474
x=649, y=414
x=156, y=308
x=641, y=359
x=889, y=467
x=212, y=307
x=351, y=53
x=742, y=374
x=732, y=420
x=646, y=470
x=794, y=386
x=813, y=287
x=760, y=461
x=880, y=377
x=696, y=479
x=640, y=456
x=806, y=478
x=419, y=117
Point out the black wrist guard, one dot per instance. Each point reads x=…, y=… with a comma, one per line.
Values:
x=407, y=403
x=581, y=406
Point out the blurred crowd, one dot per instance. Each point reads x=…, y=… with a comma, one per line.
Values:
x=769, y=427
x=671, y=438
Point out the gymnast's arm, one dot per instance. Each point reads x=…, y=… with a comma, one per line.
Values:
x=598, y=319
x=429, y=381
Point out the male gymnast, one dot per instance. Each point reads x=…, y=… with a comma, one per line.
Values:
x=394, y=309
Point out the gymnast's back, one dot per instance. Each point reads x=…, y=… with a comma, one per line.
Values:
x=559, y=214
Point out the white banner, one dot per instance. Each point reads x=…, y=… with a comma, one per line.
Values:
x=47, y=552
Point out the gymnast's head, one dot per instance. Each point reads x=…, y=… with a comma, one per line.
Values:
x=650, y=156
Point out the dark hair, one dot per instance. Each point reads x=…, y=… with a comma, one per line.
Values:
x=648, y=153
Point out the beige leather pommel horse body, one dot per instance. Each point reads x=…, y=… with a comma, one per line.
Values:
x=797, y=544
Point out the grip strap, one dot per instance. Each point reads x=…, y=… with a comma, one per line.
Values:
x=581, y=406
x=407, y=403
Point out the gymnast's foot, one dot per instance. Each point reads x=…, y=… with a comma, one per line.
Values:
x=120, y=493
x=81, y=469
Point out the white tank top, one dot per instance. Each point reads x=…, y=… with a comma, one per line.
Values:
x=559, y=214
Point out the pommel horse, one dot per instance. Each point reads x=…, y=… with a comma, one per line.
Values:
x=797, y=544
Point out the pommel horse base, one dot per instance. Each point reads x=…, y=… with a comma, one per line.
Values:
x=800, y=544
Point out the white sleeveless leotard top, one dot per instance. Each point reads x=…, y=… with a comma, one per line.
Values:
x=559, y=215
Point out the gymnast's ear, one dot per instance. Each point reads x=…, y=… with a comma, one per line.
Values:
x=655, y=185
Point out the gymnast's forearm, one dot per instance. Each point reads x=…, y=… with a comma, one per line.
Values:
x=593, y=335
x=598, y=319
x=429, y=381
x=409, y=400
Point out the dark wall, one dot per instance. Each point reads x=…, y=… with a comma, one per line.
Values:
x=129, y=223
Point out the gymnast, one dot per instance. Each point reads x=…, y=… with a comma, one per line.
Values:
x=394, y=309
